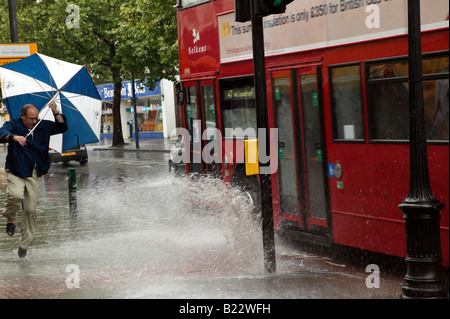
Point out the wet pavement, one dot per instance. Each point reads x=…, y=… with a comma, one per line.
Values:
x=139, y=232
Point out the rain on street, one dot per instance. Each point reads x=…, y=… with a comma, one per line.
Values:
x=139, y=232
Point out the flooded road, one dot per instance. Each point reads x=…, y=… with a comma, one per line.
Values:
x=141, y=233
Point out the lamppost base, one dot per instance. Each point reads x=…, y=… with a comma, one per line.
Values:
x=427, y=291
x=424, y=278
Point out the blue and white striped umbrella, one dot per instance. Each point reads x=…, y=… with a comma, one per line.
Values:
x=39, y=79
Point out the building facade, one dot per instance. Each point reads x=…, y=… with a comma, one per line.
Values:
x=155, y=109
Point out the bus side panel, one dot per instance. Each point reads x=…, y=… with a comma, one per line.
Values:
x=444, y=246
x=375, y=180
x=369, y=234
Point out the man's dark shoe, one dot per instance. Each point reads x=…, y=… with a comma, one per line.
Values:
x=10, y=229
x=22, y=252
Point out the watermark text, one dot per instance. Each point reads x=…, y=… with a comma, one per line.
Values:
x=73, y=19
x=373, y=280
x=73, y=279
x=212, y=150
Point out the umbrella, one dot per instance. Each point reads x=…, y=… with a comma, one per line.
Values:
x=39, y=79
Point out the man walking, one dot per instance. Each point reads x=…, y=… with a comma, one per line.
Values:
x=26, y=162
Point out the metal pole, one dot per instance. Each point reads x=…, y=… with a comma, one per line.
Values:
x=133, y=102
x=13, y=21
x=72, y=174
x=421, y=209
x=263, y=122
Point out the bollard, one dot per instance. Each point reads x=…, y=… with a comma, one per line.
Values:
x=72, y=195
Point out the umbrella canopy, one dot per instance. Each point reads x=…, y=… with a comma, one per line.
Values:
x=39, y=79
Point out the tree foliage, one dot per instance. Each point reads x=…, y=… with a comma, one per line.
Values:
x=112, y=38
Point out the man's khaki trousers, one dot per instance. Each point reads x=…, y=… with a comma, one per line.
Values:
x=22, y=193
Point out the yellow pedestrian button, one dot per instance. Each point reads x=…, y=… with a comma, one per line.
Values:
x=251, y=157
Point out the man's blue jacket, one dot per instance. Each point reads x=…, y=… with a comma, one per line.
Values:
x=21, y=160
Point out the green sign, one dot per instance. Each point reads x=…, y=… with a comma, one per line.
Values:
x=319, y=154
x=315, y=99
x=277, y=94
x=281, y=152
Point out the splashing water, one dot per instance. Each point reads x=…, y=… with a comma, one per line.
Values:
x=183, y=216
x=160, y=237
x=136, y=231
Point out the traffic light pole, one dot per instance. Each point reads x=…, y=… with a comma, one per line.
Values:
x=13, y=21
x=263, y=122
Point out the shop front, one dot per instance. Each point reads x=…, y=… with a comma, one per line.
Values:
x=155, y=109
x=4, y=116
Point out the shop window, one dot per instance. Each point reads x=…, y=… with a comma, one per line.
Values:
x=346, y=103
x=238, y=108
x=149, y=114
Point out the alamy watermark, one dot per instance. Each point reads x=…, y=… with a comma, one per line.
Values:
x=373, y=19
x=73, y=19
x=373, y=280
x=211, y=152
x=73, y=279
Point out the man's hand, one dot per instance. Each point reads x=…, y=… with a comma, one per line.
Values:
x=52, y=105
x=58, y=116
x=20, y=139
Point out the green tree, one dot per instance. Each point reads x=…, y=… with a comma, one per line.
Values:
x=112, y=38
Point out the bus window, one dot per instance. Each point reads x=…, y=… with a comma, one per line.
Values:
x=209, y=109
x=238, y=107
x=287, y=176
x=438, y=65
x=388, y=99
x=189, y=3
x=435, y=94
x=346, y=103
x=191, y=111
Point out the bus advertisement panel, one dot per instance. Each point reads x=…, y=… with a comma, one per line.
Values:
x=314, y=24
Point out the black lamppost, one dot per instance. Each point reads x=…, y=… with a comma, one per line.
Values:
x=13, y=21
x=424, y=277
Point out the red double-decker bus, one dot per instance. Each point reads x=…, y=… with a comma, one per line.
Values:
x=337, y=93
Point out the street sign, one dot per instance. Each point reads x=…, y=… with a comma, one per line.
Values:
x=12, y=52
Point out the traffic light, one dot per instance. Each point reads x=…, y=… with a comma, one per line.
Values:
x=268, y=7
x=262, y=8
x=242, y=10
